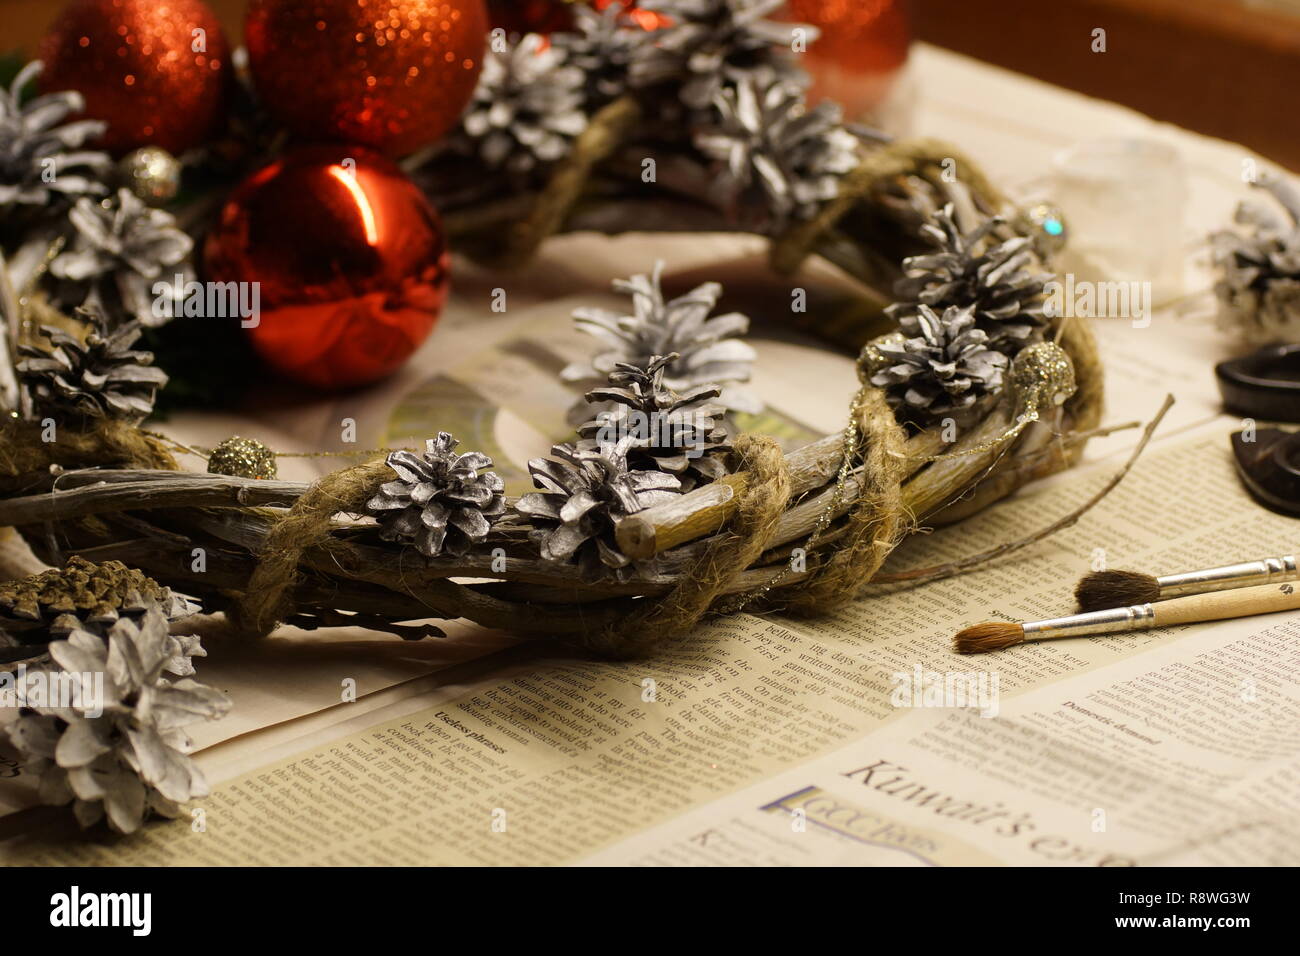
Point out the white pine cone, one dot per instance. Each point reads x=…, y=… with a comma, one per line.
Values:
x=120, y=248
x=584, y=493
x=34, y=144
x=707, y=347
x=602, y=45
x=126, y=754
x=1259, y=287
x=441, y=501
x=678, y=433
x=772, y=150
x=943, y=370
x=708, y=42
x=976, y=270
x=527, y=108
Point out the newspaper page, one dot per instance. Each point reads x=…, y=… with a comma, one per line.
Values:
x=775, y=740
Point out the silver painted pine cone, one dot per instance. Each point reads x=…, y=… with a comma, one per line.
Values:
x=708, y=349
x=41, y=157
x=773, y=152
x=441, y=501
x=678, y=433
x=709, y=42
x=100, y=376
x=584, y=492
x=117, y=749
x=943, y=370
x=974, y=270
x=527, y=108
x=120, y=248
x=1259, y=287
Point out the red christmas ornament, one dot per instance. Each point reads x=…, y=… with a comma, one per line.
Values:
x=156, y=72
x=394, y=76
x=350, y=258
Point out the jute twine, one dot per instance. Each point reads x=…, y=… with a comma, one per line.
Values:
x=874, y=524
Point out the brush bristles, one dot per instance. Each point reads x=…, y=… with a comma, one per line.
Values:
x=989, y=636
x=1103, y=590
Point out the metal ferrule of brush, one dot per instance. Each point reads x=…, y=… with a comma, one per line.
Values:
x=1246, y=574
x=1117, y=620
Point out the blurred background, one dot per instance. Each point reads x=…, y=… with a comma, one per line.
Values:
x=1226, y=68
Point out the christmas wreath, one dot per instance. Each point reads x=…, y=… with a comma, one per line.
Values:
x=657, y=513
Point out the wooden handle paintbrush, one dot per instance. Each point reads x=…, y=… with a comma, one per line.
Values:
x=1214, y=606
x=1103, y=589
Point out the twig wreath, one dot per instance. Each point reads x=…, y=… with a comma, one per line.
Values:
x=656, y=515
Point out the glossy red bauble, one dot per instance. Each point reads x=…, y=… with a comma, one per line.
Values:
x=393, y=76
x=350, y=258
x=155, y=70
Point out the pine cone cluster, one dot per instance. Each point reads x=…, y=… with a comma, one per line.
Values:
x=584, y=493
x=84, y=596
x=943, y=370
x=1259, y=287
x=117, y=750
x=441, y=501
x=976, y=270
x=120, y=248
x=678, y=433
x=41, y=159
x=527, y=108
x=708, y=43
x=708, y=351
x=774, y=151
x=100, y=376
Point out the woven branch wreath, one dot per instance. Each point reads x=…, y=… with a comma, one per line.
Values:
x=656, y=515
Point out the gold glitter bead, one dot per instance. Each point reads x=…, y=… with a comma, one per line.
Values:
x=871, y=361
x=153, y=174
x=242, y=458
x=1042, y=376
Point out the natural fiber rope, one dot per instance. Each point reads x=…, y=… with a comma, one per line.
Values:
x=900, y=158
x=877, y=520
x=107, y=444
x=746, y=537
x=268, y=599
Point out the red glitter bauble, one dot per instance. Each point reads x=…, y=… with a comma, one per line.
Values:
x=350, y=258
x=394, y=75
x=155, y=70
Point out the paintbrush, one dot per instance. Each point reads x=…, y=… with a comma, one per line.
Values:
x=1215, y=606
x=1104, y=589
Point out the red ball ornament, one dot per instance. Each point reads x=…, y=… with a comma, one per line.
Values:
x=350, y=258
x=155, y=70
x=394, y=76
